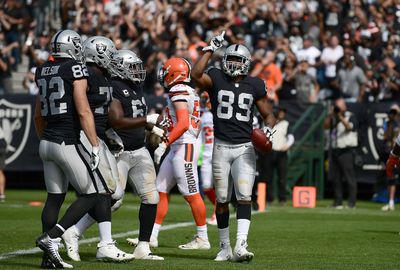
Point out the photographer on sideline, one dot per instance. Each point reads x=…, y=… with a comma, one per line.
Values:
x=343, y=139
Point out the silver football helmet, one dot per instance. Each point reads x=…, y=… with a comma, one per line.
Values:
x=127, y=65
x=99, y=50
x=236, y=60
x=67, y=44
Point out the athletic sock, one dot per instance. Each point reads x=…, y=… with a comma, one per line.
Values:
x=84, y=223
x=224, y=236
x=162, y=207
x=391, y=202
x=243, y=226
x=198, y=209
x=147, y=216
x=202, y=232
x=156, y=230
x=51, y=210
x=105, y=232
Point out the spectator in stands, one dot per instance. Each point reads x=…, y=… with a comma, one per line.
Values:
x=342, y=128
x=306, y=85
x=391, y=131
x=270, y=73
x=351, y=79
x=37, y=49
x=310, y=53
x=390, y=80
x=330, y=55
x=29, y=83
x=277, y=159
x=5, y=67
x=288, y=90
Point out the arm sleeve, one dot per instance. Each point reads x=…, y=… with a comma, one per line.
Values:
x=260, y=89
x=182, y=117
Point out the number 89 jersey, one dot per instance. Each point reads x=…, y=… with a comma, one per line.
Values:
x=232, y=105
x=183, y=92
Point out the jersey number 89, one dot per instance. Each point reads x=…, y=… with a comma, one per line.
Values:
x=225, y=108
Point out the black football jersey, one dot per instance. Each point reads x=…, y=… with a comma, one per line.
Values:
x=134, y=105
x=55, y=81
x=99, y=97
x=232, y=105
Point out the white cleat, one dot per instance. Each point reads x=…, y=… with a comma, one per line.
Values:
x=241, y=254
x=108, y=252
x=225, y=253
x=387, y=207
x=135, y=241
x=143, y=252
x=196, y=243
x=71, y=238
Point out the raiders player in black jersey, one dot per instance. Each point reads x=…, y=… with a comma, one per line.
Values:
x=97, y=51
x=233, y=95
x=128, y=117
x=62, y=109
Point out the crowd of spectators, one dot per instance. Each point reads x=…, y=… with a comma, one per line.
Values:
x=306, y=50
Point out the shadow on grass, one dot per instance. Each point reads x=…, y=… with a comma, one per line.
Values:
x=382, y=232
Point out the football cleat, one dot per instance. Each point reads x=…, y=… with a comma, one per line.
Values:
x=196, y=243
x=108, y=252
x=241, y=254
x=135, y=241
x=47, y=263
x=50, y=248
x=387, y=207
x=71, y=238
x=225, y=253
x=143, y=252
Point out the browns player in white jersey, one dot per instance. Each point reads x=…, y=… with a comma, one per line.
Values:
x=180, y=165
x=207, y=138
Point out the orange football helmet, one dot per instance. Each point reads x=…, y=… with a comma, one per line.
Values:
x=175, y=70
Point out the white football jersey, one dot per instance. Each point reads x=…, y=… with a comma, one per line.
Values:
x=207, y=131
x=183, y=92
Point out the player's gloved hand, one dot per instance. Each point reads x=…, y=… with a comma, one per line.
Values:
x=215, y=43
x=158, y=131
x=392, y=162
x=152, y=118
x=95, y=158
x=114, y=142
x=165, y=122
x=269, y=133
x=160, y=151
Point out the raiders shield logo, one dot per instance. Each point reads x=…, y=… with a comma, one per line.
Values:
x=15, y=125
x=101, y=48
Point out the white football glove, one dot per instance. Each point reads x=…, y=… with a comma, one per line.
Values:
x=269, y=133
x=215, y=43
x=152, y=118
x=95, y=158
x=165, y=122
x=160, y=151
x=158, y=131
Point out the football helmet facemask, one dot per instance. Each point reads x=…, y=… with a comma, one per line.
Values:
x=127, y=65
x=236, y=60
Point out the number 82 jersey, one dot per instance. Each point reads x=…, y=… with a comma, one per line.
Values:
x=232, y=105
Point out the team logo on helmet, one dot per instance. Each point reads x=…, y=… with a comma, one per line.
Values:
x=101, y=48
x=14, y=127
x=76, y=41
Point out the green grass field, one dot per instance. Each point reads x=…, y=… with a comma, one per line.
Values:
x=281, y=238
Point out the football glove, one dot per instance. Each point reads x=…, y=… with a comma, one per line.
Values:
x=152, y=118
x=215, y=43
x=114, y=142
x=158, y=131
x=95, y=158
x=392, y=162
x=159, y=152
x=165, y=122
x=269, y=133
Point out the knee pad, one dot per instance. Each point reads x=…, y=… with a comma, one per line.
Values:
x=150, y=198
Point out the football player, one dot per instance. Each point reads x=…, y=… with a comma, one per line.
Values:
x=393, y=160
x=98, y=51
x=61, y=111
x=128, y=117
x=207, y=136
x=180, y=165
x=233, y=95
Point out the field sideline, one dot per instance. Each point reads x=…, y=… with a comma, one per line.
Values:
x=281, y=238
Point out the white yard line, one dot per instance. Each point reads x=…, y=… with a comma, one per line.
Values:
x=168, y=227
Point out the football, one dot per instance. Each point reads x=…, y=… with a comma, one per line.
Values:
x=260, y=141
